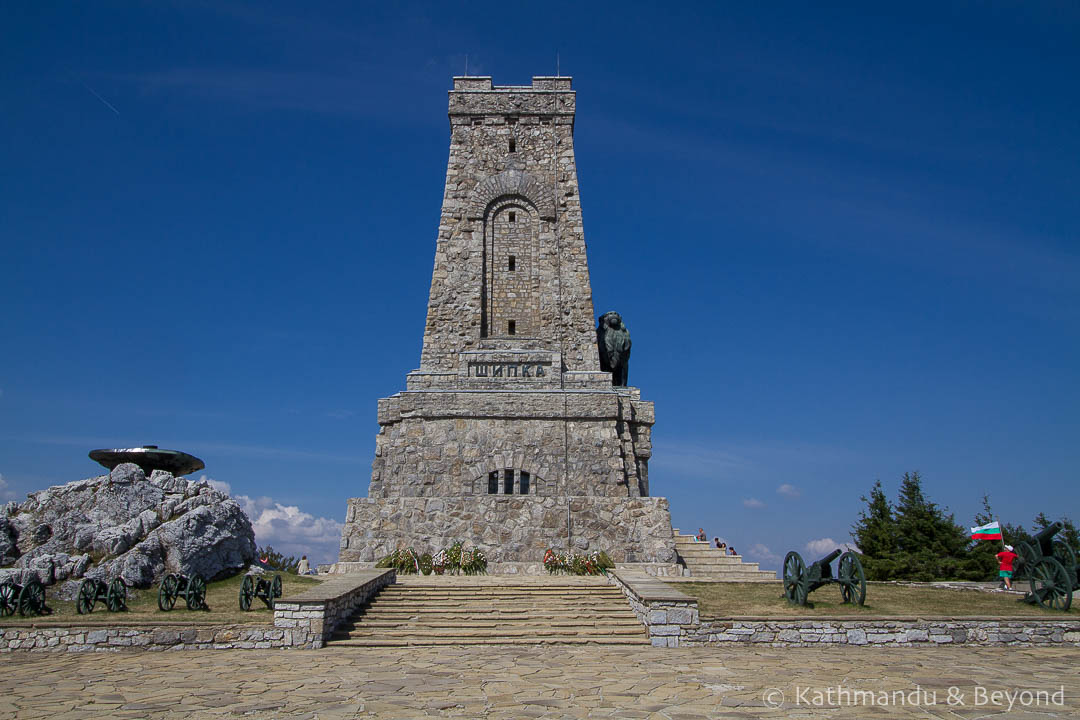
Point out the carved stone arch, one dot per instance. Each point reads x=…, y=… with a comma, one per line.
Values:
x=483, y=473
x=512, y=182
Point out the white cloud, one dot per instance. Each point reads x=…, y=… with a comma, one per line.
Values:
x=762, y=554
x=218, y=485
x=823, y=546
x=753, y=503
x=291, y=531
x=5, y=493
x=789, y=491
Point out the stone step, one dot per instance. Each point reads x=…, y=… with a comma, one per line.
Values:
x=501, y=590
x=483, y=632
x=506, y=632
x=493, y=601
x=520, y=604
x=720, y=566
x=707, y=560
x=540, y=623
x=478, y=612
x=437, y=614
x=548, y=640
x=435, y=597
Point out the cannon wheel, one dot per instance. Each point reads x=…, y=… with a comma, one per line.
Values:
x=195, y=597
x=7, y=598
x=852, y=579
x=246, y=593
x=1065, y=555
x=1050, y=585
x=795, y=581
x=275, y=590
x=116, y=599
x=84, y=603
x=166, y=596
x=32, y=598
x=1028, y=558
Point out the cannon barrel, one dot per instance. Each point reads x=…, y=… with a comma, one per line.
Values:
x=1045, y=537
x=829, y=558
x=1049, y=531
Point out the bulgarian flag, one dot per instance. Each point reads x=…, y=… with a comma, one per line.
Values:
x=989, y=531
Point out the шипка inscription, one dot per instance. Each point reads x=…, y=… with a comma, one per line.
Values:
x=509, y=370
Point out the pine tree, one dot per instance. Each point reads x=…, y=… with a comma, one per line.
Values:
x=277, y=561
x=875, y=535
x=930, y=544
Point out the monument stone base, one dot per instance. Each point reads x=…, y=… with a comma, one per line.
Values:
x=511, y=528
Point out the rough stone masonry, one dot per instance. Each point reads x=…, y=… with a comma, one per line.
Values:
x=509, y=437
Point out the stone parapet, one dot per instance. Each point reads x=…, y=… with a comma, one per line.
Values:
x=878, y=632
x=309, y=618
x=549, y=97
x=666, y=613
x=672, y=619
x=55, y=638
x=301, y=621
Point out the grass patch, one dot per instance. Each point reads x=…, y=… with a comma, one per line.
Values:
x=766, y=599
x=222, y=597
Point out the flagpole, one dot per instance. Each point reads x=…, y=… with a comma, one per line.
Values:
x=1001, y=532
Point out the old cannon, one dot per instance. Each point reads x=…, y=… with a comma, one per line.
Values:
x=91, y=590
x=800, y=581
x=257, y=587
x=192, y=587
x=1049, y=566
x=28, y=599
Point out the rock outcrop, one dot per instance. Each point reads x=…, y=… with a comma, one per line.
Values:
x=125, y=524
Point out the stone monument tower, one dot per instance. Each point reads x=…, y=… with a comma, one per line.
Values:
x=509, y=436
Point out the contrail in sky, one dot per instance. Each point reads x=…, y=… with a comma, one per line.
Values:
x=92, y=92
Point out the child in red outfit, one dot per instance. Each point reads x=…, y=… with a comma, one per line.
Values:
x=1006, y=558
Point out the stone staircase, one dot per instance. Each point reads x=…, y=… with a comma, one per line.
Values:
x=707, y=562
x=494, y=610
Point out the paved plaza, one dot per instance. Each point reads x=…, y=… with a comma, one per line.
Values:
x=546, y=682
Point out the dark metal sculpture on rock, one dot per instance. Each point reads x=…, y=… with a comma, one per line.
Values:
x=800, y=581
x=613, y=342
x=149, y=458
x=1050, y=567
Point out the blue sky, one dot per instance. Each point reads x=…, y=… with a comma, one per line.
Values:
x=844, y=239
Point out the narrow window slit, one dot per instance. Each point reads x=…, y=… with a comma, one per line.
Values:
x=511, y=328
x=512, y=264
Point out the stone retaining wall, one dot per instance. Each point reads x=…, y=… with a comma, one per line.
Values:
x=519, y=568
x=151, y=637
x=309, y=618
x=801, y=633
x=664, y=611
x=301, y=621
x=510, y=528
x=674, y=621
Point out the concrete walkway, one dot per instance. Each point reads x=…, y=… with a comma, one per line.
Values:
x=545, y=682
